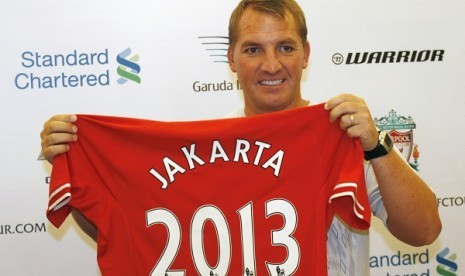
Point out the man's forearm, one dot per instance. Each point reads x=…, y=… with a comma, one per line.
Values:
x=410, y=204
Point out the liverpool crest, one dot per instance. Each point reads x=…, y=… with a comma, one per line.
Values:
x=400, y=128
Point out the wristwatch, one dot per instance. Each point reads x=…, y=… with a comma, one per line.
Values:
x=383, y=147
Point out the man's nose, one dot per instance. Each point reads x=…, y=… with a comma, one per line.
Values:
x=271, y=63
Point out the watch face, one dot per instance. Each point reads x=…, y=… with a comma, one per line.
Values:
x=381, y=136
x=385, y=140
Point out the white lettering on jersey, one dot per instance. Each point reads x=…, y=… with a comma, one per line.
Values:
x=190, y=156
x=172, y=168
x=282, y=237
x=241, y=154
x=261, y=146
x=275, y=162
x=217, y=152
x=242, y=147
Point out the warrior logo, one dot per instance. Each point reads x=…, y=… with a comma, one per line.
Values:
x=446, y=266
x=400, y=129
x=128, y=69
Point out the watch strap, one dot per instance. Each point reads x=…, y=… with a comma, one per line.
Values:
x=383, y=147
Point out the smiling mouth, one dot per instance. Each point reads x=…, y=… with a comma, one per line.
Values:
x=271, y=82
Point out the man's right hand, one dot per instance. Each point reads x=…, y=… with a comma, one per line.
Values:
x=56, y=135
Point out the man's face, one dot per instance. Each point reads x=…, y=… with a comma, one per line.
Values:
x=269, y=57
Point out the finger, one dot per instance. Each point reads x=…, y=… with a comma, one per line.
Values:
x=59, y=127
x=337, y=100
x=341, y=105
x=343, y=111
x=362, y=128
x=52, y=151
x=58, y=138
x=69, y=118
x=347, y=121
x=56, y=143
x=59, y=123
x=368, y=138
x=57, y=132
x=62, y=118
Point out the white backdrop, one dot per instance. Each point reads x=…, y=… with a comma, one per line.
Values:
x=168, y=41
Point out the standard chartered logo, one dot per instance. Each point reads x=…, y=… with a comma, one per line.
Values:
x=447, y=265
x=51, y=71
x=128, y=69
x=74, y=69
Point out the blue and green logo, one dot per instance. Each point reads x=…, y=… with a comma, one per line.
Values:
x=128, y=68
x=447, y=265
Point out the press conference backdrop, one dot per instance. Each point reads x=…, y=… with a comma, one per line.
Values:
x=166, y=60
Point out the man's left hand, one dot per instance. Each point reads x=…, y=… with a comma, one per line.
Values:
x=355, y=118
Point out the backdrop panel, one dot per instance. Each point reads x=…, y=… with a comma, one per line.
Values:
x=406, y=59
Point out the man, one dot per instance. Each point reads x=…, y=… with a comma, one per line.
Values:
x=268, y=52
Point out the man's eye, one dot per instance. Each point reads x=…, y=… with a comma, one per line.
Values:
x=252, y=50
x=286, y=49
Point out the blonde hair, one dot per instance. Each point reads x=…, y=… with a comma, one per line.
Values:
x=275, y=7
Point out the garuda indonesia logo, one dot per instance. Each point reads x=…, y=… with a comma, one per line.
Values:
x=400, y=129
x=216, y=47
x=128, y=68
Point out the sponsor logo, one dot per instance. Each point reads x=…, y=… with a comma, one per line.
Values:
x=388, y=57
x=415, y=263
x=73, y=69
x=128, y=69
x=400, y=128
x=216, y=47
x=410, y=263
x=452, y=201
x=22, y=228
x=198, y=86
x=446, y=263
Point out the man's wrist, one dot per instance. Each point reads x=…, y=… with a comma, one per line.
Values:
x=383, y=147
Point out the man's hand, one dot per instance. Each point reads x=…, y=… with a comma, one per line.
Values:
x=410, y=204
x=56, y=135
x=355, y=119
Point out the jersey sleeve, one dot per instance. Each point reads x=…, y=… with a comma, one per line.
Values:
x=59, y=192
x=82, y=177
x=346, y=182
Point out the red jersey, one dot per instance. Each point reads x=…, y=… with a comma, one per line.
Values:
x=241, y=196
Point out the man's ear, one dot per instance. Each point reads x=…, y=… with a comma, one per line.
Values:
x=306, y=54
x=232, y=64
